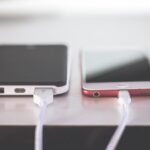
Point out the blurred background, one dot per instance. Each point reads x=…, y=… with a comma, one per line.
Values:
x=79, y=23
x=69, y=7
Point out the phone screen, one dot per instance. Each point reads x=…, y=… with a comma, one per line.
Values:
x=115, y=66
x=33, y=65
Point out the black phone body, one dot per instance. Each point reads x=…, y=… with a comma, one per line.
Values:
x=26, y=67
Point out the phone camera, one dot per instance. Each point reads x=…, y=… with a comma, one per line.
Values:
x=96, y=94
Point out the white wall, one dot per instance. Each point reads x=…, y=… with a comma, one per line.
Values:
x=67, y=7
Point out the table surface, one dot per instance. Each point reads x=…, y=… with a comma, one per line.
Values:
x=79, y=32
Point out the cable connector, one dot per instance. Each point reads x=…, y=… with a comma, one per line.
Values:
x=124, y=98
x=42, y=97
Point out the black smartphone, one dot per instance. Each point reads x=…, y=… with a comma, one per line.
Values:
x=26, y=67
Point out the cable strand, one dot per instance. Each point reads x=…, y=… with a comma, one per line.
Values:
x=124, y=100
x=39, y=129
x=42, y=97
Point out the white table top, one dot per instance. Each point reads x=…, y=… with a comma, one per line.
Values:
x=79, y=33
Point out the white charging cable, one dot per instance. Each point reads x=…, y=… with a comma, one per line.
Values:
x=125, y=100
x=42, y=97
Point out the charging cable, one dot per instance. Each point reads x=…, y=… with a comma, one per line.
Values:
x=124, y=100
x=42, y=97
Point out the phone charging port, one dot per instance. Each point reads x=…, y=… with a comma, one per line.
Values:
x=19, y=90
x=1, y=90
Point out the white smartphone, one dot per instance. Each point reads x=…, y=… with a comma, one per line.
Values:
x=104, y=73
x=26, y=67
